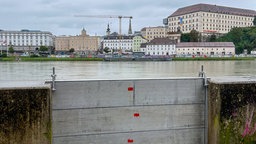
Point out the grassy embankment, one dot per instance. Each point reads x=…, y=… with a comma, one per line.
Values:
x=27, y=59
x=212, y=58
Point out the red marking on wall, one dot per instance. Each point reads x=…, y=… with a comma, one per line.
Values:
x=130, y=140
x=130, y=88
x=136, y=114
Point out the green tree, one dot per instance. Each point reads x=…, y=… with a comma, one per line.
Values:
x=194, y=36
x=71, y=50
x=11, y=50
x=43, y=48
x=185, y=37
x=106, y=50
x=243, y=38
x=254, y=21
x=212, y=38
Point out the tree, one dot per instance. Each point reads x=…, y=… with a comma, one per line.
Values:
x=243, y=38
x=106, y=50
x=212, y=38
x=11, y=50
x=71, y=50
x=254, y=21
x=194, y=36
x=43, y=48
x=185, y=37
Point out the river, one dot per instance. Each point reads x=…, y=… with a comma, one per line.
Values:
x=40, y=71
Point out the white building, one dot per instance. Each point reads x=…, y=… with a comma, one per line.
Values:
x=209, y=19
x=205, y=48
x=118, y=43
x=161, y=46
x=27, y=39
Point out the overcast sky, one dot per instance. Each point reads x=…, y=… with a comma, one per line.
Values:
x=57, y=16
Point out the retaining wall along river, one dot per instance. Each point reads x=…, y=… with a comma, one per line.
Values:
x=171, y=110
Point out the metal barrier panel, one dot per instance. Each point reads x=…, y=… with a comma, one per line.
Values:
x=129, y=111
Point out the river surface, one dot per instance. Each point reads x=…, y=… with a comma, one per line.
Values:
x=34, y=71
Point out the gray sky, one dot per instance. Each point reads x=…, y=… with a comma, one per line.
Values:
x=57, y=16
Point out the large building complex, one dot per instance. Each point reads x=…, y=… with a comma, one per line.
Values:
x=209, y=19
x=80, y=43
x=26, y=40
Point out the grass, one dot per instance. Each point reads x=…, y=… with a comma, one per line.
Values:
x=27, y=59
x=212, y=58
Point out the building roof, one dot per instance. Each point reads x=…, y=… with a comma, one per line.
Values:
x=143, y=45
x=213, y=9
x=161, y=41
x=24, y=31
x=143, y=29
x=205, y=44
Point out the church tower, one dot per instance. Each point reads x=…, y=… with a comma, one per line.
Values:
x=83, y=32
x=130, y=27
x=108, y=31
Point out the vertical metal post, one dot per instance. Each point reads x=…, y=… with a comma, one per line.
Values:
x=53, y=79
x=203, y=75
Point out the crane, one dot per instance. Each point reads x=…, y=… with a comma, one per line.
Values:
x=111, y=16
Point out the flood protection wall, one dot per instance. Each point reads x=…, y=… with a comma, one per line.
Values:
x=146, y=111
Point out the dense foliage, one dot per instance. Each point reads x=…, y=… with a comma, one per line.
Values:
x=11, y=50
x=43, y=48
x=243, y=38
x=193, y=36
x=71, y=50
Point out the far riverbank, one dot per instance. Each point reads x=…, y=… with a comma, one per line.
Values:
x=28, y=59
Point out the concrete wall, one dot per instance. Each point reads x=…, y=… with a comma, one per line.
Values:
x=149, y=111
x=25, y=113
x=232, y=111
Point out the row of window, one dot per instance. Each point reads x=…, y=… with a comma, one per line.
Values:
x=199, y=49
x=161, y=49
x=155, y=33
x=160, y=46
x=213, y=15
x=152, y=37
x=117, y=41
x=207, y=53
x=157, y=29
x=215, y=21
x=124, y=48
x=122, y=44
x=23, y=37
x=158, y=53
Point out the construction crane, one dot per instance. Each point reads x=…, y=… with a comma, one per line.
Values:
x=111, y=16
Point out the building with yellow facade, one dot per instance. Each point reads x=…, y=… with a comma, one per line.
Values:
x=151, y=33
x=80, y=43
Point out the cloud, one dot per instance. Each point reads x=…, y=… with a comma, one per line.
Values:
x=57, y=16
